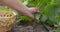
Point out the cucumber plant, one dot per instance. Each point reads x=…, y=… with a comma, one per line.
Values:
x=49, y=8
x=50, y=11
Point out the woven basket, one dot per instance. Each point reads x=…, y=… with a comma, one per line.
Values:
x=7, y=20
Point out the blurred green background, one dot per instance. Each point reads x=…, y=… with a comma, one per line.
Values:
x=50, y=11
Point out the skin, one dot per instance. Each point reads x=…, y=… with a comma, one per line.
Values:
x=21, y=8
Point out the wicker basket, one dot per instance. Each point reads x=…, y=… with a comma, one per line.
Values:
x=7, y=20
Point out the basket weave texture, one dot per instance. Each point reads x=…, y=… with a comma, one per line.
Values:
x=7, y=20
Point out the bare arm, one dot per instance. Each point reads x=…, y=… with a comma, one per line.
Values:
x=15, y=5
x=19, y=7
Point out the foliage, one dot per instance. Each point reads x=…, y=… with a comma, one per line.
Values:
x=25, y=18
x=50, y=11
x=5, y=8
x=58, y=29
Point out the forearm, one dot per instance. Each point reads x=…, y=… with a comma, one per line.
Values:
x=15, y=5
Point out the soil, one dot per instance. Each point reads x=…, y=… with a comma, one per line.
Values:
x=31, y=27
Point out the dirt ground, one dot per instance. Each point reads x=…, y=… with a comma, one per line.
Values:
x=33, y=27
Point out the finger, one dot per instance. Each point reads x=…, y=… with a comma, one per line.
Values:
x=34, y=10
x=30, y=15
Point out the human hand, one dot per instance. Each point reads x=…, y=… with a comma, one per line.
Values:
x=30, y=12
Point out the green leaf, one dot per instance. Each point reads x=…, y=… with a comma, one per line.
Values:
x=58, y=29
x=44, y=18
x=25, y=19
x=58, y=18
x=21, y=0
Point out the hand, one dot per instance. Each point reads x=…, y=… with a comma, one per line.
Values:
x=30, y=12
